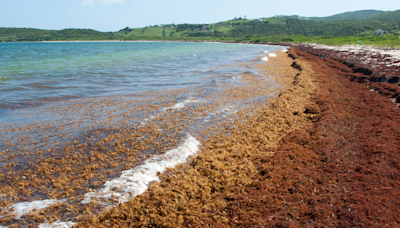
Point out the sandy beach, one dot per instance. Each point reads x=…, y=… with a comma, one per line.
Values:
x=324, y=152
x=197, y=194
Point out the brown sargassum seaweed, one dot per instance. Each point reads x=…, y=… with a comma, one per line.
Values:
x=198, y=193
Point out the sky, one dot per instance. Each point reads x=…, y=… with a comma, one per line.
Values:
x=113, y=15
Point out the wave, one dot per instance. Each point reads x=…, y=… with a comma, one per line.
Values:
x=130, y=184
x=182, y=104
x=135, y=181
x=24, y=208
x=57, y=224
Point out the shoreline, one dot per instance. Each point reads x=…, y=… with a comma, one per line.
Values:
x=88, y=41
x=332, y=170
x=187, y=193
x=322, y=152
x=65, y=172
x=284, y=44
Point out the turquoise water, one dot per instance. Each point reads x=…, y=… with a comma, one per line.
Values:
x=67, y=99
x=35, y=71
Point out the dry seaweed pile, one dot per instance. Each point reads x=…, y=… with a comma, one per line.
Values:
x=199, y=193
x=380, y=69
x=343, y=171
x=323, y=152
x=325, y=156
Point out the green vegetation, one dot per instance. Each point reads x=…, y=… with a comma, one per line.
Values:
x=332, y=30
x=356, y=15
x=388, y=40
x=29, y=34
x=266, y=27
x=393, y=16
x=289, y=26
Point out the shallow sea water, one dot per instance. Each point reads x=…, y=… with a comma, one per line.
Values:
x=84, y=121
x=30, y=72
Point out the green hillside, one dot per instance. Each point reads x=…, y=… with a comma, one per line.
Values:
x=267, y=27
x=219, y=29
x=393, y=16
x=236, y=29
x=314, y=28
x=354, y=15
x=30, y=34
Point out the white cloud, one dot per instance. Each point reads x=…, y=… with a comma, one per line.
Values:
x=101, y=2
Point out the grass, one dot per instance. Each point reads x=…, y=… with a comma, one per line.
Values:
x=241, y=21
x=389, y=40
x=224, y=28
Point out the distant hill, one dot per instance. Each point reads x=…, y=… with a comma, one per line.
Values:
x=31, y=34
x=338, y=25
x=393, y=16
x=354, y=15
x=288, y=26
x=264, y=27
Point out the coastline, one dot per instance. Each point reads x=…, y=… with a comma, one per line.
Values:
x=287, y=44
x=330, y=170
x=322, y=152
x=188, y=193
x=283, y=44
x=77, y=41
x=56, y=178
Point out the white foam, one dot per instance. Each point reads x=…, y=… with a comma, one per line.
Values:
x=24, y=208
x=272, y=55
x=266, y=52
x=182, y=104
x=265, y=58
x=135, y=181
x=285, y=50
x=57, y=224
x=224, y=112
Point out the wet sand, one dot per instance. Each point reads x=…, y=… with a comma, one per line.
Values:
x=324, y=153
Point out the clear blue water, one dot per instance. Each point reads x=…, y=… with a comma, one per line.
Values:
x=35, y=71
x=132, y=93
x=54, y=92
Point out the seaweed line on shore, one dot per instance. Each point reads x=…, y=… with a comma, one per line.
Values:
x=191, y=194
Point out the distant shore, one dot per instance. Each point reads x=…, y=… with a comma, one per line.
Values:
x=222, y=41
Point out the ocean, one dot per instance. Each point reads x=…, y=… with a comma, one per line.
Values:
x=84, y=122
x=30, y=72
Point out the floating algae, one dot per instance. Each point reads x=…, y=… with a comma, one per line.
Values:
x=198, y=193
x=134, y=182
x=119, y=133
